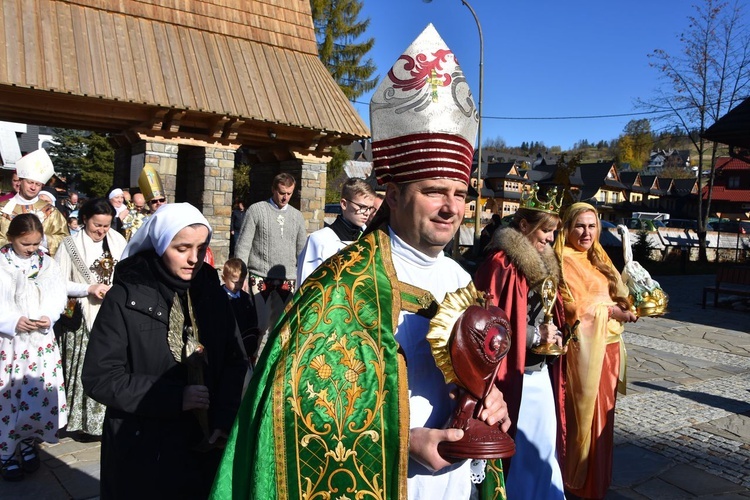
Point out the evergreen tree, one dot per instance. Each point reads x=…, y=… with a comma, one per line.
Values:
x=337, y=29
x=67, y=152
x=97, y=165
x=241, y=186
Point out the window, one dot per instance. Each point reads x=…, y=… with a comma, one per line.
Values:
x=733, y=182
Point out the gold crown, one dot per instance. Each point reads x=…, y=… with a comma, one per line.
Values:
x=530, y=200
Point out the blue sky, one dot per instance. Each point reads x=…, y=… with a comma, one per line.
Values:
x=542, y=58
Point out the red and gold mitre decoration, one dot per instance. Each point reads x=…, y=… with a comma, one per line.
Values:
x=150, y=184
x=36, y=166
x=423, y=118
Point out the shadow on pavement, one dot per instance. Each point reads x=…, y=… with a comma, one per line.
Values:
x=726, y=404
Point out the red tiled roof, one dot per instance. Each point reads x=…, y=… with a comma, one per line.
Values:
x=721, y=193
x=729, y=163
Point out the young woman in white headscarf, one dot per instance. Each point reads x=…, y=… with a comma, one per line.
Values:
x=87, y=260
x=166, y=359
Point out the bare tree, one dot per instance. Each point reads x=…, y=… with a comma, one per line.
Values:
x=702, y=83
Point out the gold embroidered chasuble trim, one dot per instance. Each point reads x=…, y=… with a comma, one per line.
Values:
x=318, y=401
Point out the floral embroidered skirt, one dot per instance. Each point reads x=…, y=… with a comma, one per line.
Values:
x=84, y=414
x=32, y=391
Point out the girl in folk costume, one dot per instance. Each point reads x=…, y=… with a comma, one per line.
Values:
x=521, y=272
x=32, y=394
x=87, y=261
x=593, y=293
x=166, y=359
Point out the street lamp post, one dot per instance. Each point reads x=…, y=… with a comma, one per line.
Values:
x=477, y=207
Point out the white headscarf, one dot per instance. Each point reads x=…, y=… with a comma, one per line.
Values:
x=116, y=192
x=162, y=226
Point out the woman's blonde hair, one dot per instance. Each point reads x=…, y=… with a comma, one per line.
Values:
x=596, y=254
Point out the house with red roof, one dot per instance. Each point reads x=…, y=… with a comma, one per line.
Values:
x=731, y=192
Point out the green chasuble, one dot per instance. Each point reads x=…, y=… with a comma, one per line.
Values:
x=326, y=414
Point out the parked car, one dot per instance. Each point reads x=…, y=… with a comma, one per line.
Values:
x=647, y=224
x=682, y=224
x=606, y=224
x=333, y=208
x=730, y=226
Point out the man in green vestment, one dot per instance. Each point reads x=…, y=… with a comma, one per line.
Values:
x=346, y=401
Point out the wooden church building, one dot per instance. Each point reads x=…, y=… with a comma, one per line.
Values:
x=181, y=85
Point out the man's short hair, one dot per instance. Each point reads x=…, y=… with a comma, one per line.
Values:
x=356, y=187
x=283, y=179
x=234, y=265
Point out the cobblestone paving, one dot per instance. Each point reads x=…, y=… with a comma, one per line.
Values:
x=667, y=420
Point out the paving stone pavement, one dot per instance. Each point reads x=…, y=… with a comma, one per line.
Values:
x=681, y=432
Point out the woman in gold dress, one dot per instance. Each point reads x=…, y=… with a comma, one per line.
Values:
x=593, y=293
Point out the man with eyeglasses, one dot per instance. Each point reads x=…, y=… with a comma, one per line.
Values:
x=357, y=198
x=152, y=190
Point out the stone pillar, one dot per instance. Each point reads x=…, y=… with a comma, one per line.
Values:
x=313, y=194
x=218, y=185
x=200, y=175
x=162, y=157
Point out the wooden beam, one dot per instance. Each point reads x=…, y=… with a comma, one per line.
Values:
x=172, y=122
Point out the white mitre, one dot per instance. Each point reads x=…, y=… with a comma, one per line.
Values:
x=36, y=166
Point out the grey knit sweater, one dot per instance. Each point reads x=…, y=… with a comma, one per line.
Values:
x=271, y=239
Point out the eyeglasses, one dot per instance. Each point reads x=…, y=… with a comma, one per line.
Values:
x=157, y=200
x=360, y=209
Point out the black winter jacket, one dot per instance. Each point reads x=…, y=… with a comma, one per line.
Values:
x=148, y=440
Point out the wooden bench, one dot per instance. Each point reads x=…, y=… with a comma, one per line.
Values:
x=732, y=280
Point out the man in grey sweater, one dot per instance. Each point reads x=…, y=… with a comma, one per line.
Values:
x=272, y=236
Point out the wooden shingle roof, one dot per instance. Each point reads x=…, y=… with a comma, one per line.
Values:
x=241, y=71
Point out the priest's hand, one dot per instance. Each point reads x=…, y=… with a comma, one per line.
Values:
x=423, y=443
x=495, y=409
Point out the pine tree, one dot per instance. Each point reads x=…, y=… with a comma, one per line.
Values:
x=67, y=152
x=98, y=165
x=337, y=29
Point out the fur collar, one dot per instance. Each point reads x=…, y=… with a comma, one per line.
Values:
x=532, y=264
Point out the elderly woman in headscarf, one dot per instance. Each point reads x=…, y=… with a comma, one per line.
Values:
x=593, y=293
x=117, y=198
x=166, y=359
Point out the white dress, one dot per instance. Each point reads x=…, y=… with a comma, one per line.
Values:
x=32, y=392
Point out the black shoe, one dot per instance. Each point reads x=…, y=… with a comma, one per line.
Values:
x=11, y=470
x=29, y=457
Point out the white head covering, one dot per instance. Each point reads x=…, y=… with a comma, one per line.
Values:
x=36, y=166
x=115, y=192
x=423, y=118
x=49, y=194
x=162, y=226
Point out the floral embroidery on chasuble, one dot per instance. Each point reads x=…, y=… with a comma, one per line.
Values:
x=340, y=402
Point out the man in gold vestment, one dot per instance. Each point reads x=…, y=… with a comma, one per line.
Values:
x=34, y=170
